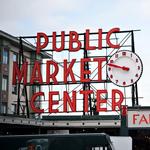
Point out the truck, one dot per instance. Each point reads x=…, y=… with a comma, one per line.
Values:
x=81, y=141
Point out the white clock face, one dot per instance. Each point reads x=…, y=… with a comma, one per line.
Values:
x=124, y=68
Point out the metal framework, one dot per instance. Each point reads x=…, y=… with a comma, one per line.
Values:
x=124, y=38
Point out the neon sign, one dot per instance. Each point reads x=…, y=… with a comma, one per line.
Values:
x=20, y=74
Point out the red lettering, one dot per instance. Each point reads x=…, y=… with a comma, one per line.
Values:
x=67, y=100
x=84, y=71
x=20, y=74
x=53, y=102
x=74, y=38
x=100, y=100
x=135, y=118
x=33, y=99
x=40, y=46
x=143, y=120
x=87, y=39
x=50, y=75
x=36, y=73
x=100, y=39
x=114, y=102
x=68, y=71
x=62, y=42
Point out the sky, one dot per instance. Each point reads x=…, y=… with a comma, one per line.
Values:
x=27, y=17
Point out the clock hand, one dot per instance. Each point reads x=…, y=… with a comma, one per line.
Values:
x=117, y=66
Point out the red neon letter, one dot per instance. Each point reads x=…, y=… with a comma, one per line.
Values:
x=100, y=100
x=73, y=38
x=68, y=70
x=114, y=103
x=86, y=95
x=62, y=42
x=33, y=99
x=83, y=70
x=100, y=39
x=108, y=38
x=134, y=118
x=100, y=61
x=67, y=100
x=20, y=73
x=87, y=41
x=36, y=73
x=48, y=71
x=39, y=46
x=51, y=102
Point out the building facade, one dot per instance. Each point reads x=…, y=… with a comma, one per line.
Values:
x=9, y=53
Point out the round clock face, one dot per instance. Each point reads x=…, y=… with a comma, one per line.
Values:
x=124, y=68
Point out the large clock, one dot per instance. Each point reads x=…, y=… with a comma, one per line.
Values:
x=124, y=68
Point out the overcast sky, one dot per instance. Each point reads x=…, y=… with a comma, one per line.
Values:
x=27, y=17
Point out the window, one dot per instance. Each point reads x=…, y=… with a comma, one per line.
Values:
x=4, y=83
x=14, y=87
x=15, y=57
x=5, y=56
x=3, y=108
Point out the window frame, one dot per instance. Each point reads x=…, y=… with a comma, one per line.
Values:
x=5, y=56
x=14, y=87
x=5, y=83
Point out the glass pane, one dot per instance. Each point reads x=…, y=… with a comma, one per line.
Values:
x=3, y=107
x=4, y=83
x=15, y=57
x=5, y=56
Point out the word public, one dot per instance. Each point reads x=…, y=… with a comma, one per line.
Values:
x=20, y=73
x=74, y=39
